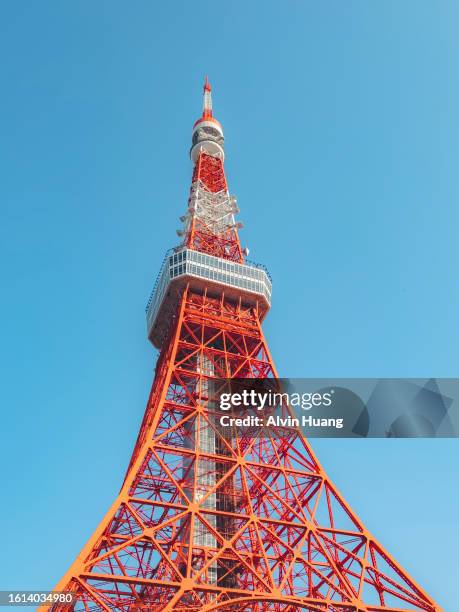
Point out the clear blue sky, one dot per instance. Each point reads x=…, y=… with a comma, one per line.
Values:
x=342, y=147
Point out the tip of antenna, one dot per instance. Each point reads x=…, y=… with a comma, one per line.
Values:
x=207, y=86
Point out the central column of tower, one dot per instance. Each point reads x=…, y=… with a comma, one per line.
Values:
x=209, y=227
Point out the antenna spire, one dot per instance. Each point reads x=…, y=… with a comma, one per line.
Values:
x=207, y=102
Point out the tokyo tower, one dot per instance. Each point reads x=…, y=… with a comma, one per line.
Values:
x=202, y=521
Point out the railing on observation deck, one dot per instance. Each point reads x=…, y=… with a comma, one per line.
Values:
x=169, y=252
x=250, y=279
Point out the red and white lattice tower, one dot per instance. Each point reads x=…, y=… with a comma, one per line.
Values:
x=204, y=522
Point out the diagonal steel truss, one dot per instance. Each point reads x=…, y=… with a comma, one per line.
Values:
x=207, y=523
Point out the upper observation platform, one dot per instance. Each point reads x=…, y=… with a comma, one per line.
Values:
x=183, y=267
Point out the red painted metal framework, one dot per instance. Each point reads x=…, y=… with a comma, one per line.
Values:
x=277, y=535
x=201, y=237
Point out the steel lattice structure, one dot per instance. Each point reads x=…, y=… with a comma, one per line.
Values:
x=204, y=522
